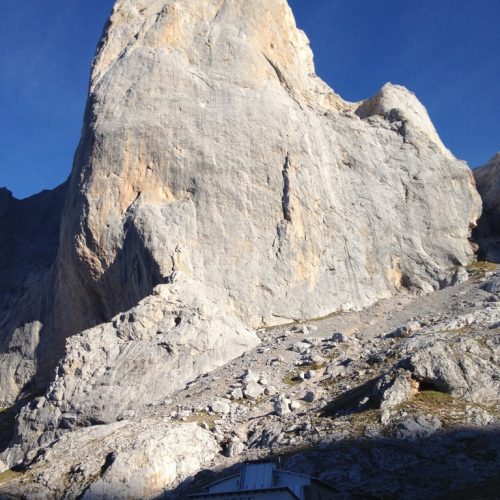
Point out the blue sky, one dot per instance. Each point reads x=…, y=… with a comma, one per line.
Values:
x=446, y=51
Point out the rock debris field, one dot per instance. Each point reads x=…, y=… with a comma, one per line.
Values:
x=399, y=400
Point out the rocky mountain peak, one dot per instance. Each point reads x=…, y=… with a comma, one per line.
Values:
x=493, y=163
x=220, y=188
x=5, y=200
x=397, y=104
x=242, y=43
x=211, y=149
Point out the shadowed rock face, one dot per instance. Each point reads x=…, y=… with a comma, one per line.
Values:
x=488, y=230
x=210, y=147
x=29, y=235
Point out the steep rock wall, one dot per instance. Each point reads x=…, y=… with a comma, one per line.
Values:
x=487, y=233
x=211, y=147
x=29, y=239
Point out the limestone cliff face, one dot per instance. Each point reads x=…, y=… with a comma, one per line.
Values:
x=488, y=230
x=211, y=148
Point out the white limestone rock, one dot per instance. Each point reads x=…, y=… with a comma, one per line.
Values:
x=211, y=147
x=141, y=357
x=221, y=406
x=463, y=367
x=234, y=448
x=116, y=461
x=282, y=405
x=253, y=390
x=401, y=107
x=394, y=389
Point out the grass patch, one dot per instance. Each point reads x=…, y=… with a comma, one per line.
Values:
x=332, y=356
x=483, y=341
x=433, y=397
x=292, y=378
x=360, y=422
x=480, y=268
x=203, y=418
x=328, y=316
x=457, y=331
x=298, y=322
x=481, y=265
x=9, y=475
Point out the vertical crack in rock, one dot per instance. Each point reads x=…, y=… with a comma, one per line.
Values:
x=285, y=200
x=97, y=267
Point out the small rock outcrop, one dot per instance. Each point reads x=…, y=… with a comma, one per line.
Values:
x=464, y=368
x=487, y=233
x=120, y=460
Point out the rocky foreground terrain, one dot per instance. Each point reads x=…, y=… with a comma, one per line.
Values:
x=397, y=401
x=162, y=326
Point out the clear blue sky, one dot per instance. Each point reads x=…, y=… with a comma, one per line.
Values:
x=446, y=51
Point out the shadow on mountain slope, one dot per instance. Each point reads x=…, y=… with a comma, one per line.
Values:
x=460, y=464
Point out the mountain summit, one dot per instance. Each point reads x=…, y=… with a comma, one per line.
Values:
x=219, y=187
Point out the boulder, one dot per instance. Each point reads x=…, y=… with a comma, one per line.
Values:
x=492, y=285
x=420, y=426
x=221, y=406
x=393, y=389
x=282, y=405
x=253, y=390
x=119, y=460
x=462, y=367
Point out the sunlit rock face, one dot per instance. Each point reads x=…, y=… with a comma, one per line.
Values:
x=211, y=148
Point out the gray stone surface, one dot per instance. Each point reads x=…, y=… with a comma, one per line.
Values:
x=211, y=147
x=221, y=406
x=417, y=427
x=252, y=390
x=463, y=367
x=394, y=389
x=139, y=358
x=121, y=460
x=492, y=285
